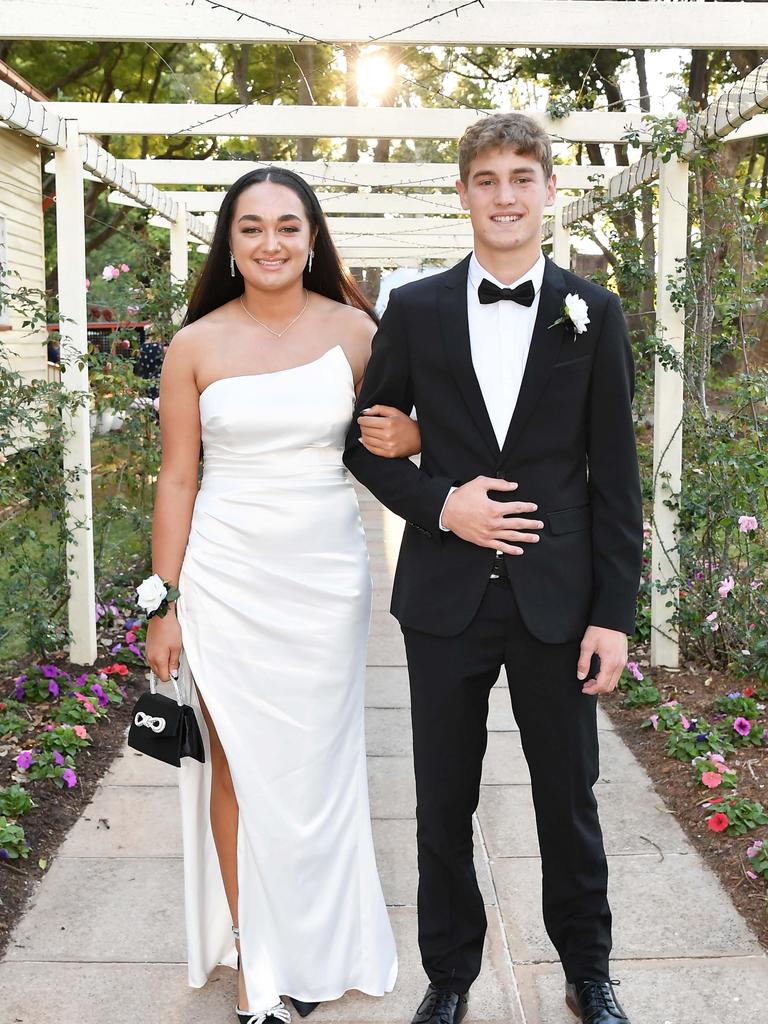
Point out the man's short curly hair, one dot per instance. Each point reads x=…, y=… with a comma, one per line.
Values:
x=518, y=131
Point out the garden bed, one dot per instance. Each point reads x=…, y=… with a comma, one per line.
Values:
x=697, y=688
x=61, y=726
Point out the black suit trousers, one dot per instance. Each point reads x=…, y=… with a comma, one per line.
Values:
x=451, y=678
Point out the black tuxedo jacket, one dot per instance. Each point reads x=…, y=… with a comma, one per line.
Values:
x=570, y=447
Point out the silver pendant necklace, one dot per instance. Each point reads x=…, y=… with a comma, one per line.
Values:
x=277, y=334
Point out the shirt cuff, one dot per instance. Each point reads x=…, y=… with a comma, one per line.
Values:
x=445, y=528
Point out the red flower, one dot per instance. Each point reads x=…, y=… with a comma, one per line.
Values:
x=748, y=691
x=718, y=822
x=116, y=669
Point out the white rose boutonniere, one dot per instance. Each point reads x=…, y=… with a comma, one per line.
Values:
x=575, y=312
x=153, y=596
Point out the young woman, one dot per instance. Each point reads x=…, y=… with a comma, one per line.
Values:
x=269, y=632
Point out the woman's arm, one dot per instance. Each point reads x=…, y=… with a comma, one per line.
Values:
x=176, y=491
x=386, y=431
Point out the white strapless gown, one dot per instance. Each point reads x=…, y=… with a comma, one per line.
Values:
x=274, y=612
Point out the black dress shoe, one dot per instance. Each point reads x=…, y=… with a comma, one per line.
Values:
x=439, y=1006
x=303, y=1009
x=594, y=1002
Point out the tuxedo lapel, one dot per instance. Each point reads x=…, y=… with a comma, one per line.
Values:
x=545, y=346
x=454, y=323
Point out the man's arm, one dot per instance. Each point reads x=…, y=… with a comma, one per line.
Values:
x=614, y=478
x=400, y=485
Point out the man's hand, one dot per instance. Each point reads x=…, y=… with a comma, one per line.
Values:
x=473, y=516
x=388, y=432
x=610, y=646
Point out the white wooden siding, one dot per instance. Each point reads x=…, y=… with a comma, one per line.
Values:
x=21, y=209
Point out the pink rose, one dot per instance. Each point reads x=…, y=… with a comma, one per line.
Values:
x=124, y=267
x=81, y=731
x=747, y=523
x=681, y=127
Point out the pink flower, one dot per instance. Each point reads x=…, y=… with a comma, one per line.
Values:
x=720, y=767
x=85, y=702
x=711, y=780
x=714, y=626
x=24, y=760
x=752, y=875
x=81, y=731
x=686, y=722
x=747, y=523
x=634, y=669
x=130, y=637
x=717, y=758
x=742, y=726
x=87, y=283
x=755, y=848
x=681, y=127
x=109, y=273
x=654, y=720
x=124, y=267
x=726, y=586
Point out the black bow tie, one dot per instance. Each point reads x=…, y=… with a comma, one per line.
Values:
x=524, y=294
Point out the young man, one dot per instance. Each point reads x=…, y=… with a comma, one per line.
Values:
x=523, y=548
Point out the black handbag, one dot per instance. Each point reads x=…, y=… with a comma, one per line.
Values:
x=165, y=729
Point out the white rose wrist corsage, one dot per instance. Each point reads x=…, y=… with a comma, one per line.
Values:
x=575, y=312
x=153, y=596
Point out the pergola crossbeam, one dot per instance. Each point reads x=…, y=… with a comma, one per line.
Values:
x=520, y=23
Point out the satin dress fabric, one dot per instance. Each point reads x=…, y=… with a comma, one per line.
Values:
x=274, y=613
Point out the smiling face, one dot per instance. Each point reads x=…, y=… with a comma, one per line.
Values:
x=270, y=235
x=506, y=193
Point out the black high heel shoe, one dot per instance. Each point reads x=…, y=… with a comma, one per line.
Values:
x=274, y=1015
x=303, y=1009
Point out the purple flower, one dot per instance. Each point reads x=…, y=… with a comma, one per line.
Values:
x=135, y=649
x=24, y=760
x=702, y=737
x=4, y=855
x=115, y=649
x=20, y=679
x=98, y=690
x=53, y=688
x=69, y=777
x=735, y=695
x=49, y=671
x=58, y=758
x=19, y=692
x=81, y=681
x=742, y=726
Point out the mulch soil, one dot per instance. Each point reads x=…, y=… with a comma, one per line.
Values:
x=697, y=687
x=46, y=824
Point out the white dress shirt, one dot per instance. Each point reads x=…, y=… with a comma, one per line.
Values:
x=500, y=336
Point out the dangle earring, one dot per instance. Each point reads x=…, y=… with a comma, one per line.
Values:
x=231, y=265
x=311, y=257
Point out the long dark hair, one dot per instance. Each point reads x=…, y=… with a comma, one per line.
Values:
x=215, y=286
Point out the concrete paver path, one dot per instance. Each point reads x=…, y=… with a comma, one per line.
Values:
x=103, y=940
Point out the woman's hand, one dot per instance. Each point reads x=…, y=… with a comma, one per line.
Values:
x=389, y=432
x=163, y=644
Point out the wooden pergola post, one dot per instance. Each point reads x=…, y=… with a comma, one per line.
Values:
x=70, y=241
x=561, y=240
x=668, y=413
x=179, y=255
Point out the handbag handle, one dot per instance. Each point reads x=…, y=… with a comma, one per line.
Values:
x=153, y=686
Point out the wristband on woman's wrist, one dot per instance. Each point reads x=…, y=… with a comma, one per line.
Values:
x=155, y=595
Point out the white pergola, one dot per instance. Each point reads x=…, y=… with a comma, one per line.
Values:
x=401, y=226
